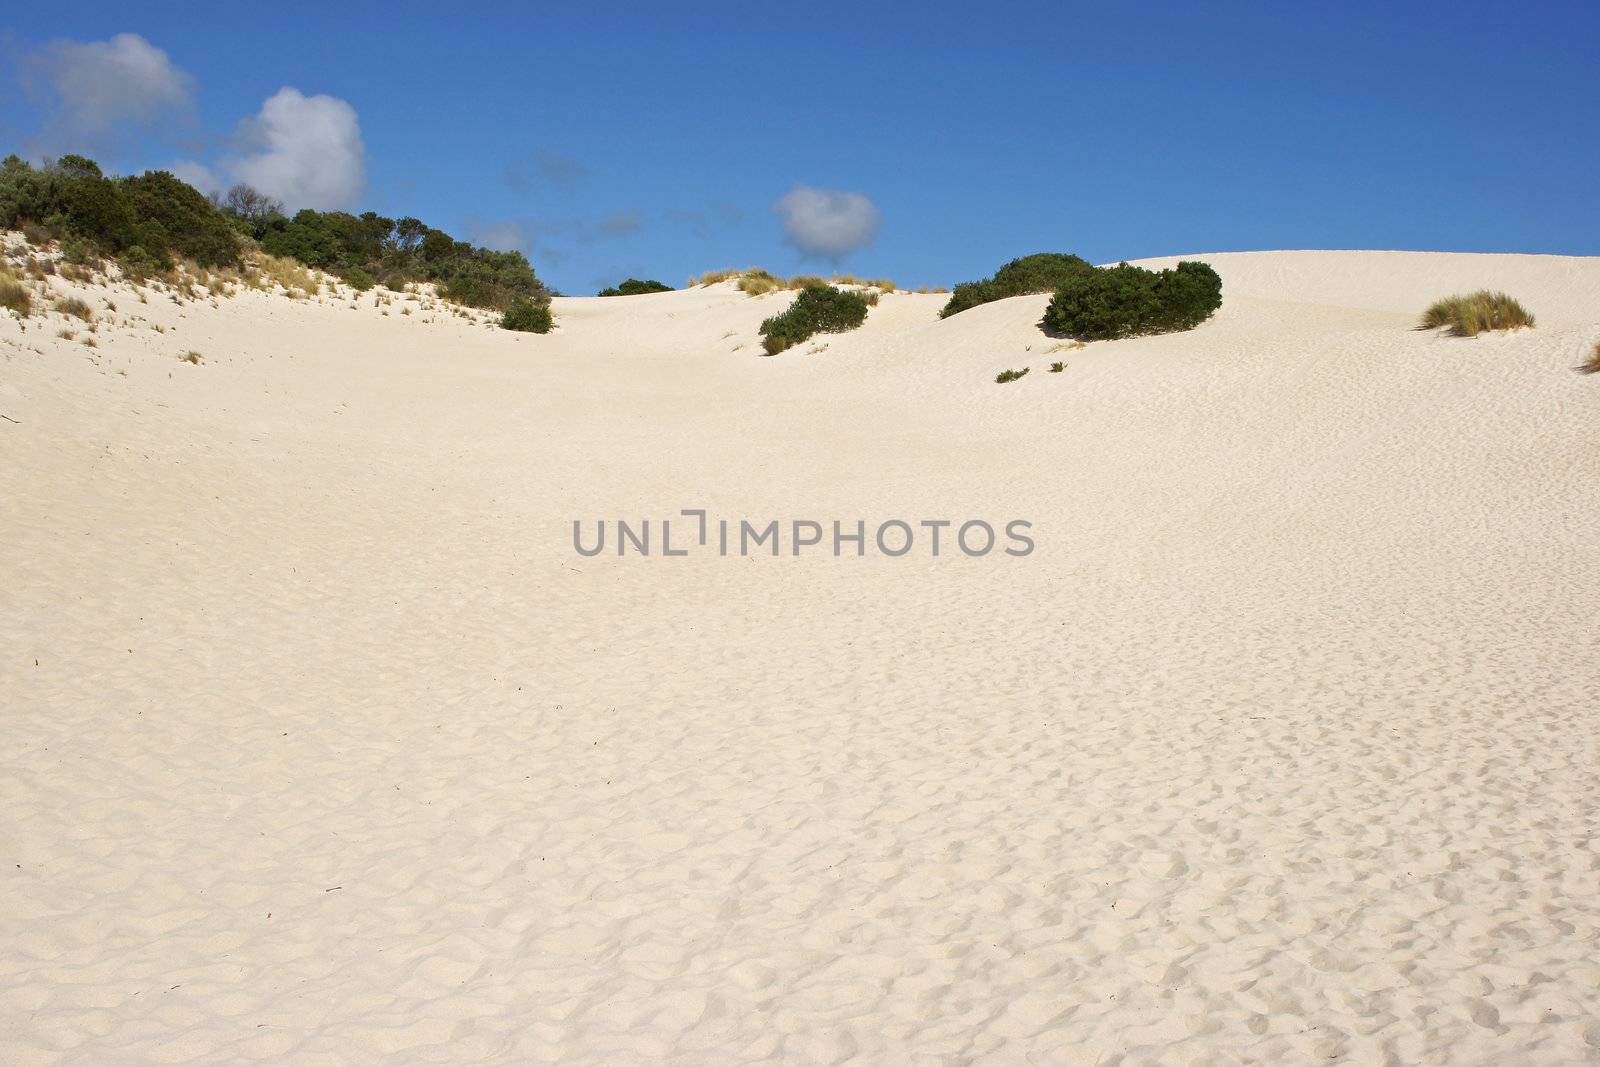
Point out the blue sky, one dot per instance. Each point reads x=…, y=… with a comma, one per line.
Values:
x=656, y=140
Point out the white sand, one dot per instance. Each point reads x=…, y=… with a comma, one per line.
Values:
x=321, y=745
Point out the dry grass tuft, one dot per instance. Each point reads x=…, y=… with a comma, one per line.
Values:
x=758, y=282
x=14, y=295
x=192, y=357
x=1470, y=315
x=75, y=308
x=1592, y=364
x=299, y=282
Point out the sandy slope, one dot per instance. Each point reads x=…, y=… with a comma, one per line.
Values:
x=321, y=744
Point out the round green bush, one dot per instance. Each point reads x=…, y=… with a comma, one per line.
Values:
x=1042, y=272
x=1128, y=301
x=358, y=279
x=635, y=287
x=527, y=317
x=818, y=309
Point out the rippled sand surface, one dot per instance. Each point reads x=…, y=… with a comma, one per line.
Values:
x=321, y=744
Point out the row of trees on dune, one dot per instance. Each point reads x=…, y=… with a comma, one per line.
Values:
x=149, y=222
x=146, y=222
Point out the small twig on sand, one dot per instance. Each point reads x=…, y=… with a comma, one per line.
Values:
x=8, y=418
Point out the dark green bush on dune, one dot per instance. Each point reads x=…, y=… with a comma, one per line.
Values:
x=635, y=287
x=193, y=228
x=397, y=252
x=1128, y=301
x=818, y=309
x=1042, y=272
x=527, y=317
x=147, y=221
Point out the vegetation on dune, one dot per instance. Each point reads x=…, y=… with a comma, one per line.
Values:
x=1042, y=272
x=757, y=281
x=1474, y=313
x=150, y=222
x=1128, y=301
x=146, y=222
x=1010, y=375
x=72, y=307
x=527, y=317
x=396, y=252
x=636, y=287
x=818, y=309
x=14, y=296
x=1592, y=364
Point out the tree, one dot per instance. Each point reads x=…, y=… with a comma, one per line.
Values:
x=438, y=246
x=173, y=216
x=245, y=202
x=408, y=234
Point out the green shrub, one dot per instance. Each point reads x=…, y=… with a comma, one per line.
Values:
x=818, y=309
x=154, y=212
x=176, y=219
x=1057, y=368
x=524, y=316
x=146, y=222
x=1470, y=315
x=1128, y=301
x=635, y=287
x=1010, y=375
x=1042, y=272
x=400, y=252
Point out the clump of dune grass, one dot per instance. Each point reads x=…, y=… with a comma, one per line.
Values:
x=192, y=357
x=1010, y=375
x=1592, y=364
x=712, y=277
x=1475, y=313
x=14, y=296
x=295, y=279
x=1057, y=368
x=759, y=282
x=75, y=308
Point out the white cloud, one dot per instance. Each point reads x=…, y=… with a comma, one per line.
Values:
x=308, y=151
x=100, y=86
x=502, y=237
x=198, y=175
x=826, y=222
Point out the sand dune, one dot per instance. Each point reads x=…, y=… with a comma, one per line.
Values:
x=323, y=745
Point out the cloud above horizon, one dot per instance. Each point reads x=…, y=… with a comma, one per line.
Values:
x=828, y=223
x=100, y=88
x=303, y=150
x=552, y=169
x=307, y=152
